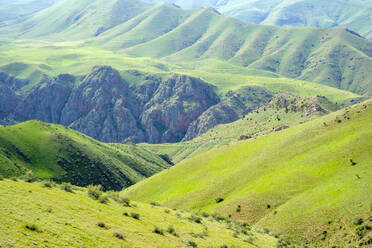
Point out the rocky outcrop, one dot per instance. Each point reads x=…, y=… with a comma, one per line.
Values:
x=177, y=102
x=46, y=100
x=106, y=107
x=233, y=107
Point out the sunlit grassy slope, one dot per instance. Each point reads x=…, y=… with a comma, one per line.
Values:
x=55, y=152
x=65, y=219
x=305, y=181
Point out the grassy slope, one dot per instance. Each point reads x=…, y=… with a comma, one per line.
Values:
x=70, y=220
x=353, y=14
x=174, y=37
x=254, y=124
x=304, y=173
x=53, y=151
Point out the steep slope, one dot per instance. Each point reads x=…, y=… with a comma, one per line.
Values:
x=55, y=152
x=308, y=181
x=36, y=216
x=354, y=15
x=106, y=107
x=281, y=112
x=335, y=57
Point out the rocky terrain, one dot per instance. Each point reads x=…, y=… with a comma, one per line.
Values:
x=110, y=108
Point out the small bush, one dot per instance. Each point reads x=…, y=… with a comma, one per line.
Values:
x=32, y=227
x=191, y=243
x=135, y=216
x=357, y=221
x=104, y=199
x=126, y=214
x=119, y=235
x=167, y=211
x=29, y=177
x=238, y=209
x=1, y=177
x=67, y=187
x=48, y=184
x=172, y=231
x=157, y=230
x=196, y=219
x=95, y=191
x=124, y=201
x=219, y=200
x=155, y=204
x=101, y=225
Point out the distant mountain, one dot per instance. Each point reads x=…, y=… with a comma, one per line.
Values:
x=16, y=10
x=61, y=154
x=335, y=57
x=351, y=14
x=310, y=181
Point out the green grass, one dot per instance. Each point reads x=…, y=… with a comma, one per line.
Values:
x=294, y=181
x=58, y=153
x=163, y=38
x=35, y=216
x=351, y=14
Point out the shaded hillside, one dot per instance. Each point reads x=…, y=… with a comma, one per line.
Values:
x=55, y=152
x=334, y=57
x=35, y=216
x=309, y=181
x=354, y=14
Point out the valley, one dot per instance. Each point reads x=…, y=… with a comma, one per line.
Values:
x=182, y=123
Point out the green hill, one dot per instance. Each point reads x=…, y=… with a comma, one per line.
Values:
x=352, y=14
x=282, y=112
x=95, y=31
x=309, y=181
x=61, y=154
x=36, y=216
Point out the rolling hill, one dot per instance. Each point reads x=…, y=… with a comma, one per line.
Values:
x=173, y=36
x=309, y=181
x=63, y=155
x=36, y=216
x=354, y=15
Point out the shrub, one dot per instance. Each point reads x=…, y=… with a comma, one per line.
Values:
x=135, y=216
x=29, y=177
x=167, y=211
x=1, y=177
x=101, y=225
x=357, y=221
x=219, y=200
x=124, y=201
x=119, y=235
x=191, y=243
x=238, y=209
x=95, y=191
x=48, y=184
x=126, y=214
x=155, y=204
x=196, y=219
x=32, y=227
x=157, y=230
x=172, y=231
x=104, y=199
x=67, y=187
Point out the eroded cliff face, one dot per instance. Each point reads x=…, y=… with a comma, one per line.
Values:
x=234, y=106
x=106, y=107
